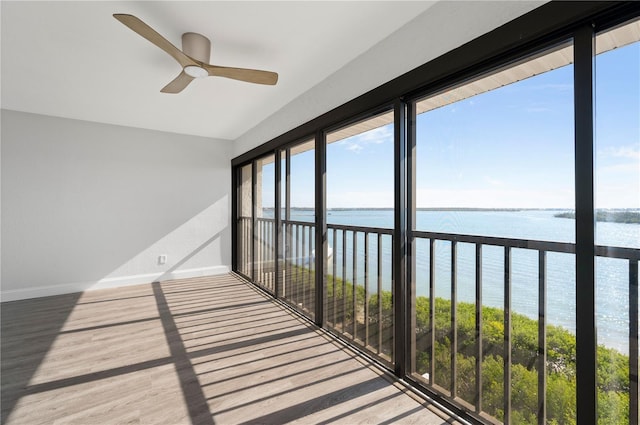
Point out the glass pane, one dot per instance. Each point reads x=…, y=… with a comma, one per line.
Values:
x=494, y=166
x=245, y=214
x=302, y=182
x=495, y=156
x=264, y=231
x=617, y=176
x=360, y=201
x=298, y=236
x=360, y=173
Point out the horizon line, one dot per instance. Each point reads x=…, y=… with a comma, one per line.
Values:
x=456, y=208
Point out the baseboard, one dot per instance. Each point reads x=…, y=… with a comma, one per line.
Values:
x=199, y=272
x=116, y=282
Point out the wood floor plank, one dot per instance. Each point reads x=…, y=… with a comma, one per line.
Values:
x=210, y=350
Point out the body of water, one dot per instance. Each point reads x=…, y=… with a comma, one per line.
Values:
x=611, y=274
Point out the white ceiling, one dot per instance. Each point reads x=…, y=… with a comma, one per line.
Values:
x=74, y=60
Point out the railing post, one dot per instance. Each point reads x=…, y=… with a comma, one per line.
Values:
x=633, y=342
x=277, y=223
x=586, y=342
x=379, y=295
x=321, y=227
x=301, y=282
x=354, y=273
x=344, y=280
x=334, y=273
x=299, y=264
x=454, y=320
x=479, y=345
x=507, y=336
x=288, y=233
x=432, y=310
x=366, y=289
x=254, y=210
x=542, y=337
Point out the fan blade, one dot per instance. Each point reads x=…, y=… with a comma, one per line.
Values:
x=178, y=84
x=243, y=74
x=150, y=34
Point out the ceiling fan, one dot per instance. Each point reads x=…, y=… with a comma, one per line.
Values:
x=194, y=58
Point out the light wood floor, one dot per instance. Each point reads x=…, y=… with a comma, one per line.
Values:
x=201, y=351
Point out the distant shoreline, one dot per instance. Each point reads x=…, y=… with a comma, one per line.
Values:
x=618, y=216
x=633, y=212
x=423, y=209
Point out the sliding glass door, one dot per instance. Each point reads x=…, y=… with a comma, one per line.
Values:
x=359, y=304
x=264, y=234
x=298, y=227
x=617, y=218
x=244, y=221
x=493, y=313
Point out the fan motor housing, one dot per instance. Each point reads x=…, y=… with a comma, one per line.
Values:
x=197, y=46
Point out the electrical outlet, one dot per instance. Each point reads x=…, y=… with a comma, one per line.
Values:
x=162, y=259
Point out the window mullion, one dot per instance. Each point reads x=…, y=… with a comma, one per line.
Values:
x=586, y=342
x=399, y=240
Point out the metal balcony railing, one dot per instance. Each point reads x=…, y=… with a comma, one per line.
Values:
x=542, y=248
x=265, y=254
x=298, y=268
x=244, y=254
x=359, y=306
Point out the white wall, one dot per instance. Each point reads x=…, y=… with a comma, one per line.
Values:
x=88, y=205
x=440, y=29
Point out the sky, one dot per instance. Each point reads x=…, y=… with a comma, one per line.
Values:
x=508, y=148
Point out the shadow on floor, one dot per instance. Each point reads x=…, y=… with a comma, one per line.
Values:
x=212, y=349
x=29, y=329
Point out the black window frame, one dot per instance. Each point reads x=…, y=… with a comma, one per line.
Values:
x=549, y=24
